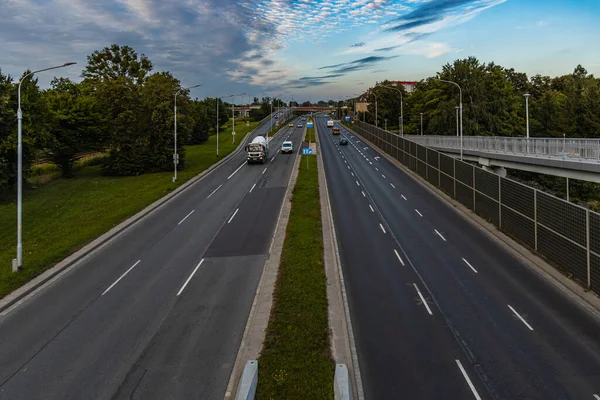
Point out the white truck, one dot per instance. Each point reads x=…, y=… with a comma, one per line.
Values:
x=257, y=150
x=330, y=123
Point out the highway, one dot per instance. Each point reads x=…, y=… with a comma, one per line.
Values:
x=159, y=312
x=440, y=310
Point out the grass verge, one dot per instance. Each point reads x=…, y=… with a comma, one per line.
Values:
x=310, y=133
x=296, y=361
x=63, y=215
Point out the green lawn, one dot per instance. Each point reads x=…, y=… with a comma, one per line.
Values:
x=61, y=216
x=296, y=361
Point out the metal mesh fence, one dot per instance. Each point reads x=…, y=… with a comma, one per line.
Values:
x=487, y=208
x=595, y=232
x=433, y=175
x=562, y=217
x=464, y=194
x=518, y=197
x=563, y=252
x=447, y=184
x=595, y=272
x=487, y=183
x=561, y=235
x=518, y=226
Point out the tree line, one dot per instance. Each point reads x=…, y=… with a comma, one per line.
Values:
x=121, y=107
x=493, y=102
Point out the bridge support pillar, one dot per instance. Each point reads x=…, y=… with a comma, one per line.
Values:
x=501, y=171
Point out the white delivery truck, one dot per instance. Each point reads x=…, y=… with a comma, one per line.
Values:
x=330, y=123
x=257, y=150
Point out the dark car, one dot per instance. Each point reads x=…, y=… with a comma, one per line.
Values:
x=343, y=141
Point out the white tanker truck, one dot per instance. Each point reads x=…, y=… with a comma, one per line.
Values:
x=257, y=150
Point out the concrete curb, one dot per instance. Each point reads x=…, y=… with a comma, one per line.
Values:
x=573, y=291
x=258, y=319
x=19, y=294
x=341, y=383
x=342, y=334
x=249, y=381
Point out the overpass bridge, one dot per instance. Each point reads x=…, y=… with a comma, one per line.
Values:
x=566, y=157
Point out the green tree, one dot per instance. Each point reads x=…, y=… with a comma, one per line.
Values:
x=157, y=96
x=117, y=62
x=203, y=124
x=74, y=123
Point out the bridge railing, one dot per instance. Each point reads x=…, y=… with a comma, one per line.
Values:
x=562, y=232
x=585, y=150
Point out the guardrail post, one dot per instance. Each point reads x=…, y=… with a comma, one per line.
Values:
x=587, y=239
x=474, y=188
x=535, y=224
x=500, y=202
x=439, y=170
x=426, y=164
x=454, y=176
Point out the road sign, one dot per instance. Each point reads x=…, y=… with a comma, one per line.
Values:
x=306, y=151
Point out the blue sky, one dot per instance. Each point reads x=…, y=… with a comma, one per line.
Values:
x=302, y=48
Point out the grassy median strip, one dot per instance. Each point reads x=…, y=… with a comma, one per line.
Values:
x=296, y=361
x=310, y=133
x=62, y=216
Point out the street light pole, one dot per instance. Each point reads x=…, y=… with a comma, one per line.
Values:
x=456, y=120
x=526, y=95
x=461, y=113
x=233, y=114
x=421, y=123
x=401, y=119
x=375, y=108
x=175, y=154
x=18, y=262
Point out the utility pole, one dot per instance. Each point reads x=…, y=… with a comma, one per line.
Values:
x=421, y=123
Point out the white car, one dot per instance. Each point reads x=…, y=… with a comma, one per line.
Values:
x=287, y=147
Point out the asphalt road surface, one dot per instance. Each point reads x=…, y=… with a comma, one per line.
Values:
x=440, y=310
x=158, y=313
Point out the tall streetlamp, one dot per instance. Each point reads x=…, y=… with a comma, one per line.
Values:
x=401, y=119
x=461, y=113
x=175, y=154
x=456, y=120
x=218, y=99
x=233, y=113
x=375, y=108
x=526, y=95
x=421, y=123
x=18, y=262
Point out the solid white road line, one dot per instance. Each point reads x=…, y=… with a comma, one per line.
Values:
x=371, y=207
x=190, y=277
x=252, y=188
x=470, y=266
x=399, y=258
x=382, y=228
x=264, y=170
x=272, y=159
x=464, y=374
x=358, y=184
x=230, y=219
x=521, y=318
x=121, y=277
x=235, y=172
x=393, y=185
x=403, y=197
x=440, y=235
x=364, y=195
x=418, y=212
x=423, y=299
x=184, y=218
x=214, y=191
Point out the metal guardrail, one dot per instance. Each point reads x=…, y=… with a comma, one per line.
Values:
x=564, y=233
x=581, y=150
